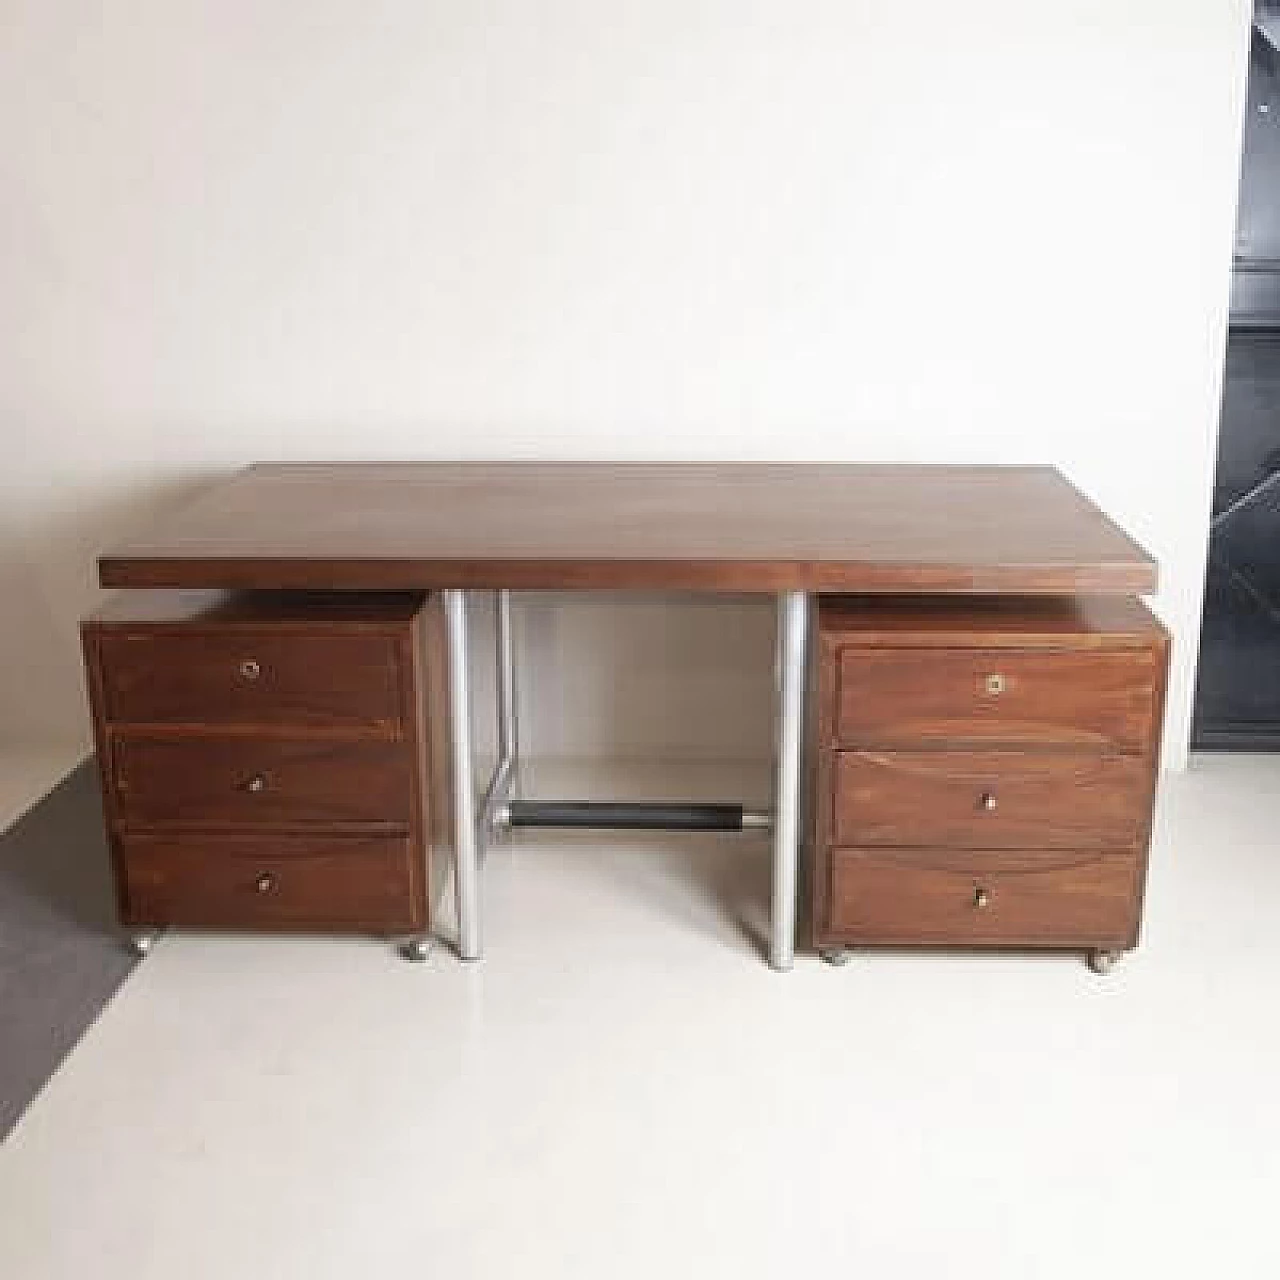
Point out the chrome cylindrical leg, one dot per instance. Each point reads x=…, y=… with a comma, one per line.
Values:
x=793, y=634
x=494, y=810
x=464, y=804
x=508, y=720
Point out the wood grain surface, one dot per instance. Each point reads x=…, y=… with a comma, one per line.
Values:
x=904, y=697
x=1080, y=622
x=267, y=677
x=277, y=881
x=731, y=526
x=990, y=799
x=1032, y=899
x=261, y=781
x=264, y=758
x=983, y=811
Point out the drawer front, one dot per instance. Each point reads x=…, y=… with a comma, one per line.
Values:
x=990, y=799
x=906, y=897
x=244, y=781
x=910, y=697
x=251, y=677
x=336, y=882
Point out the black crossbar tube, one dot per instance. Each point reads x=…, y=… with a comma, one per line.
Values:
x=624, y=817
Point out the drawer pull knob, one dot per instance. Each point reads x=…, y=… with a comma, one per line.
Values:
x=981, y=898
x=995, y=684
x=250, y=669
x=987, y=802
x=264, y=884
x=256, y=783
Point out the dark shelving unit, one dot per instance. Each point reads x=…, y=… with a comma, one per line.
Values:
x=1238, y=683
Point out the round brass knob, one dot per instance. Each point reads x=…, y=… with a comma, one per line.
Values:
x=987, y=802
x=264, y=883
x=995, y=684
x=250, y=669
x=256, y=783
x=980, y=897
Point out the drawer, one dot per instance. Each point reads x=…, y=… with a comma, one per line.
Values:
x=225, y=881
x=254, y=781
x=243, y=676
x=990, y=799
x=920, y=697
x=984, y=898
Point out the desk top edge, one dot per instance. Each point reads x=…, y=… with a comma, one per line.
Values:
x=750, y=526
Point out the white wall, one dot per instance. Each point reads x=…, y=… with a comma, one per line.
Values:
x=252, y=229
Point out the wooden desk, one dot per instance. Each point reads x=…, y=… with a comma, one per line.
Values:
x=788, y=530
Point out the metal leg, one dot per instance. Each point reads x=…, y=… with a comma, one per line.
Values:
x=464, y=804
x=793, y=634
x=508, y=723
x=495, y=814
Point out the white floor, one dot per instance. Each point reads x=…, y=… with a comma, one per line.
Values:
x=622, y=1089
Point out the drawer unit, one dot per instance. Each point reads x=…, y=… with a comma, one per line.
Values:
x=984, y=771
x=270, y=760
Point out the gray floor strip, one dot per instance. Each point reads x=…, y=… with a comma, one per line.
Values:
x=62, y=955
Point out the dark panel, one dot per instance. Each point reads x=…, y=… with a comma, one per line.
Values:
x=1238, y=682
x=1258, y=218
x=1249, y=436
x=1237, y=690
x=1255, y=295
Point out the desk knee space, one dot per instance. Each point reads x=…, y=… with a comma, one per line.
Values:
x=474, y=831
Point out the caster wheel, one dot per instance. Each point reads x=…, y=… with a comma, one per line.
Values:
x=141, y=943
x=416, y=950
x=836, y=957
x=1101, y=961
